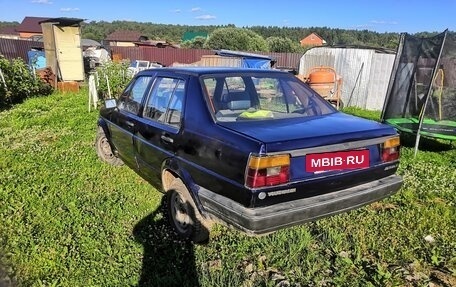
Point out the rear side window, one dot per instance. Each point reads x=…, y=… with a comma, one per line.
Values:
x=131, y=98
x=165, y=102
x=258, y=97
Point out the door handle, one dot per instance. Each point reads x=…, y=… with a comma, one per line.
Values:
x=130, y=124
x=167, y=139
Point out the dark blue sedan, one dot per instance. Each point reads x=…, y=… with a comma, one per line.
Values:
x=257, y=150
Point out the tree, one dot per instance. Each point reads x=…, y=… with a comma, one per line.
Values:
x=236, y=39
x=349, y=38
x=283, y=45
x=196, y=43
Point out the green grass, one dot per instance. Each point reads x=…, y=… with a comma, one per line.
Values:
x=67, y=219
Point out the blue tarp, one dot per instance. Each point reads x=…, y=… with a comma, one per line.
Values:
x=256, y=63
x=36, y=59
x=249, y=60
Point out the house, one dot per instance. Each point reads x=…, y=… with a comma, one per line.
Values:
x=124, y=38
x=30, y=27
x=9, y=33
x=312, y=40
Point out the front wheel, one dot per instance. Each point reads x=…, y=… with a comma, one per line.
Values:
x=104, y=150
x=183, y=215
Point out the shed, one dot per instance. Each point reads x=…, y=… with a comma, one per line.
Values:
x=365, y=72
x=248, y=60
x=62, y=45
x=124, y=38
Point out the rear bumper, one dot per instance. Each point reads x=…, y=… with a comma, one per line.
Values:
x=271, y=218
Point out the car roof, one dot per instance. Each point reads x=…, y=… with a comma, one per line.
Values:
x=199, y=71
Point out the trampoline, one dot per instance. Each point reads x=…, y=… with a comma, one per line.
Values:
x=421, y=96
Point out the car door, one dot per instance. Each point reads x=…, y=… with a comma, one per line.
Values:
x=124, y=118
x=159, y=127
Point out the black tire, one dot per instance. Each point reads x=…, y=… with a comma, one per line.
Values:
x=334, y=104
x=104, y=150
x=183, y=216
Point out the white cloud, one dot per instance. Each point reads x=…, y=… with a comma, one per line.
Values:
x=69, y=9
x=176, y=11
x=42, y=1
x=205, y=17
x=195, y=9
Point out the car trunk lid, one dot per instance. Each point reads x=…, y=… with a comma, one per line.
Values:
x=325, y=146
x=287, y=134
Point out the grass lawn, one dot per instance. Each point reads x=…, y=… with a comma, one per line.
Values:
x=67, y=219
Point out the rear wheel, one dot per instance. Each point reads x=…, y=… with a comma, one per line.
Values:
x=104, y=150
x=183, y=215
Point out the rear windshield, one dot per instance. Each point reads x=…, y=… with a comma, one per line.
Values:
x=257, y=97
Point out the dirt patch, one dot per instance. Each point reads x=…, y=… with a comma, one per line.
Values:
x=5, y=280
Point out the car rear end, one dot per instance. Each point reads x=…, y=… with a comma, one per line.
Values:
x=313, y=161
x=318, y=170
x=294, y=186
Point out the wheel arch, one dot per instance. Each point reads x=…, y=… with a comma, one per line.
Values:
x=171, y=170
x=104, y=125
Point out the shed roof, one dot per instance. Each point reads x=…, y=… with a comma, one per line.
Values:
x=230, y=53
x=63, y=21
x=124, y=35
x=90, y=43
x=31, y=25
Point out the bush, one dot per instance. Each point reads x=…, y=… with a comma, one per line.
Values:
x=239, y=39
x=116, y=74
x=19, y=83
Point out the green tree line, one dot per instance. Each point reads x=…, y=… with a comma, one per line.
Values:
x=262, y=38
x=173, y=33
x=283, y=39
x=8, y=24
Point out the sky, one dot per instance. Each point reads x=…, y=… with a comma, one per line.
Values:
x=379, y=16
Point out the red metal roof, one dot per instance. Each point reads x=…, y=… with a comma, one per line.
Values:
x=125, y=36
x=31, y=25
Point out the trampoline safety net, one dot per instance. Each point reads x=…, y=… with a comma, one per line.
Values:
x=421, y=95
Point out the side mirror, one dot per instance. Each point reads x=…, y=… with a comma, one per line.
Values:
x=110, y=103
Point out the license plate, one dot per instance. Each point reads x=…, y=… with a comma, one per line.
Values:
x=341, y=160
